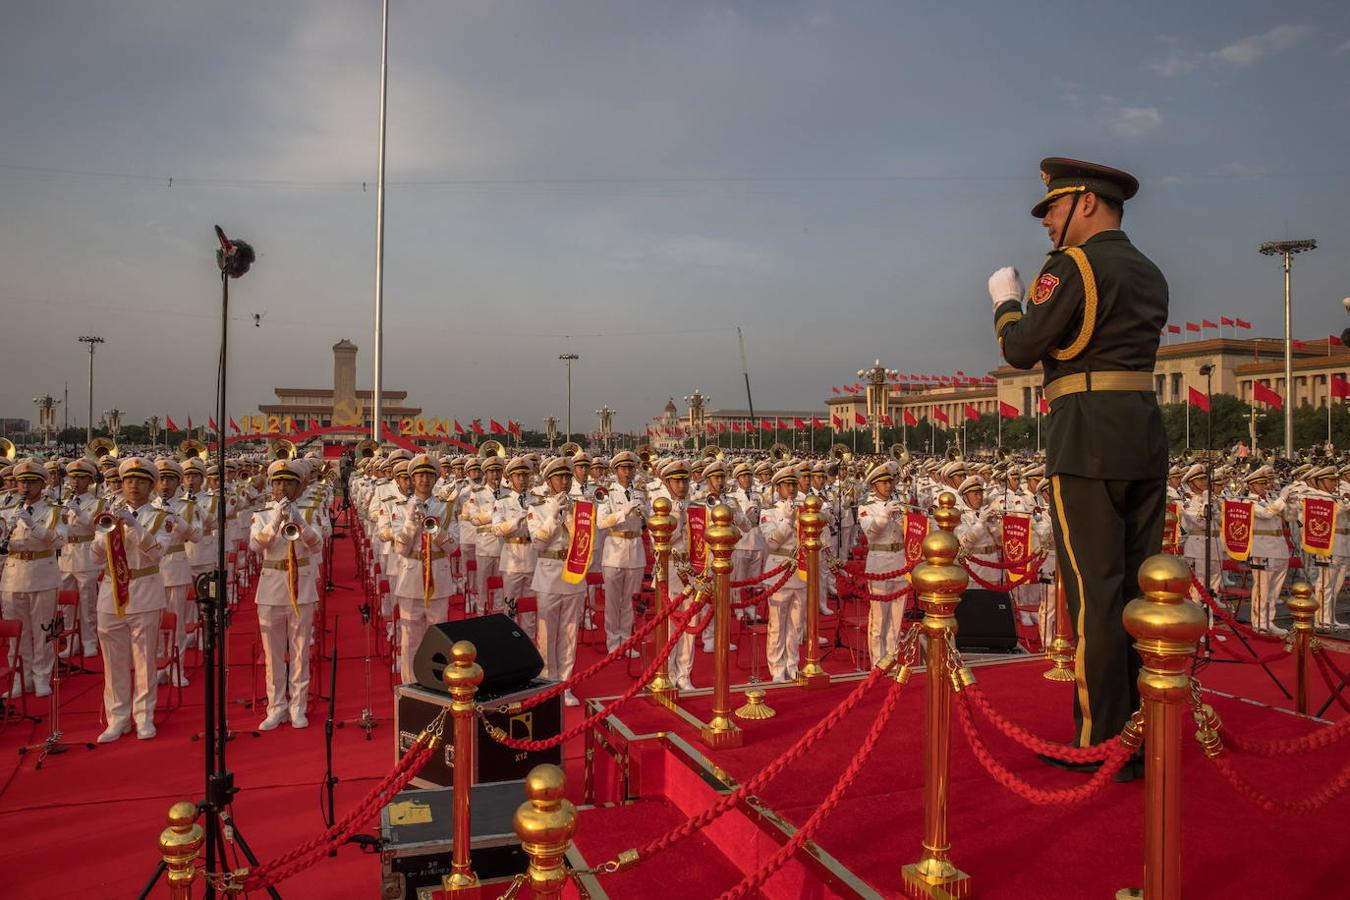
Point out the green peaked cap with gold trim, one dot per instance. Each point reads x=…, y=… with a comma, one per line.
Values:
x=1073, y=176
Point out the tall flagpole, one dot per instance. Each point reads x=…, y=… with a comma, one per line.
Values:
x=377, y=404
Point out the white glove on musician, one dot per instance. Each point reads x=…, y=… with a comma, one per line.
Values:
x=1004, y=285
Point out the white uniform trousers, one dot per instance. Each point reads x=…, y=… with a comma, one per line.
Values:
x=284, y=631
x=1047, y=614
x=128, y=644
x=35, y=609
x=1267, y=585
x=176, y=602
x=488, y=567
x=884, y=618
x=746, y=564
x=680, y=663
x=621, y=586
x=387, y=598
x=514, y=586
x=783, y=648
x=1215, y=574
x=414, y=618
x=86, y=612
x=1327, y=584
x=559, y=620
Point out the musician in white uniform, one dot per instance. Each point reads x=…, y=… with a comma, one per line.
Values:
x=423, y=581
x=778, y=523
x=882, y=520
x=621, y=516
x=31, y=575
x=551, y=525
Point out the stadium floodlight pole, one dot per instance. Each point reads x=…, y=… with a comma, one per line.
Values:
x=377, y=400
x=1287, y=250
x=569, y=358
x=91, y=340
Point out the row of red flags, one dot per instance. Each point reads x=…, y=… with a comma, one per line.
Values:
x=959, y=379
x=1340, y=389
x=298, y=426
x=1206, y=323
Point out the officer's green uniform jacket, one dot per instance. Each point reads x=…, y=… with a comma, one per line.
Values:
x=1094, y=434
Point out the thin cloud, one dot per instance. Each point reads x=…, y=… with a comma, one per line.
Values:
x=1256, y=47
x=1134, y=121
x=1177, y=62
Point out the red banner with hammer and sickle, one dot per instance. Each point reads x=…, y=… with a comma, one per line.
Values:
x=1017, y=541
x=916, y=529
x=1319, y=525
x=1171, y=542
x=578, y=559
x=697, y=517
x=117, y=566
x=1237, y=529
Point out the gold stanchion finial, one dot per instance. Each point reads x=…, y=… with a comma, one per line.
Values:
x=722, y=535
x=179, y=845
x=947, y=515
x=661, y=524
x=938, y=583
x=1060, y=651
x=545, y=823
x=1303, y=607
x=462, y=678
x=812, y=675
x=1165, y=628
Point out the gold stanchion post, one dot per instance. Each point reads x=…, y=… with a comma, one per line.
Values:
x=662, y=526
x=462, y=678
x=545, y=823
x=938, y=582
x=179, y=845
x=812, y=522
x=1303, y=608
x=1060, y=651
x=721, y=730
x=1165, y=628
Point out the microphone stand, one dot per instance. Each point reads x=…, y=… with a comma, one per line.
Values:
x=53, y=744
x=329, y=780
x=366, y=720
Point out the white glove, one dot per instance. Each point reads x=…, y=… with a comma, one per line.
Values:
x=1004, y=285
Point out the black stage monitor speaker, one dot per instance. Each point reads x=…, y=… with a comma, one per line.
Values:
x=985, y=622
x=505, y=652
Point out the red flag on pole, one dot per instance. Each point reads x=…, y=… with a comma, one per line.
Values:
x=859, y=419
x=1198, y=399
x=972, y=413
x=765, y=425
x=1242, y=323
x=836, y=423
x=1007, y=410
x=816, y=423
x=1340, y=388
x=477, y=427
x=798, y=423
x=234, y=426
x=1174, y=329
x=496, y=426
x=1224, y=320
x=190, y=417
x=1263, y=394
x=736, y=426
x=835, y=388
x=513, y=427
x=169, y=425
x=459, y=429
x=211, y=420
x=313, y=425
x=1333, y=340
x=1206, y=323
x=886, y=420
x=1298, y=345
x=910, y=419
x=1191, y=326
x=1044, y=406
x=941, y=416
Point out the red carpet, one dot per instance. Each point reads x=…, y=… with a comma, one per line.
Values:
x=91, y=818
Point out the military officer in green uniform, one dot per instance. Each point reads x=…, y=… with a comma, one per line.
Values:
x=1092, y=319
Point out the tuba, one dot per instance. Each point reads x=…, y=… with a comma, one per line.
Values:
x=954, y=455
x=569, y=449
x=368, y=449
x=280, y=449
x=6, y=449
x=192, y=447
x=840, y=453
x=899, y=453
x=100, y=447
x=491, y=448
x=712, y=451
x=645, y=453
x=780, y=451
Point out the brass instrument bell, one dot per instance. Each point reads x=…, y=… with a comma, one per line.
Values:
x=368, y=448
x=841, y=453
x=281, y=448
x=7, y=450
x=569, y=449
x=491, y=448
x=780, y=451
x=191, y=447
x=100, y=447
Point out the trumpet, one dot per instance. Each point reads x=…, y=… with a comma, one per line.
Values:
x=431, y=524
x=106, y=521
x=291, y=530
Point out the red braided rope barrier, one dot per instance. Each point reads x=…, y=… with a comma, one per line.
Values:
x=1228, y=620
x=1250, y=660
x=894, y=574
x=905, y=589
x=1115, y=760
x=1259, y=798
x=1098, y=753
x=1004, y=587
x=310, y=852
x=639, y=684
x=1037, y=558
x=1325, y=666
x=697, y=627
x=752, y=883
x=778, y=585
x=757, y=579
x=1322, y=737
x=765, y=775
x=620, y=651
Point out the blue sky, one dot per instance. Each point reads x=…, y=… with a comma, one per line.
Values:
x=630, y=181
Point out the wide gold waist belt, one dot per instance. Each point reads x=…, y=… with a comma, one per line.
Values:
x=144, y=573
x=300, y=563
x=883, y=548
x=1082, y=382
x=29, y=555
x=516, y=540
x=84, y=539
x=553, y=554
x=176, y=548
x=623, y=534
